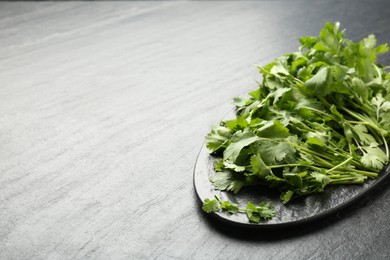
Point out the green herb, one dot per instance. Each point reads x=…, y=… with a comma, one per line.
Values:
x=255, y=214
x=320, y=116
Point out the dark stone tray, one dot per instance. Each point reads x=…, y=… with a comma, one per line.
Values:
x=298, y=211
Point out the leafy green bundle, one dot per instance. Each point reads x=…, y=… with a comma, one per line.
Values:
x=321, y=116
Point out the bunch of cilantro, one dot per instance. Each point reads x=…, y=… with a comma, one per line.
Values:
x=321, y=116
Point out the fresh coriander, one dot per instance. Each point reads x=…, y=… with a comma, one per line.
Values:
x=320, y=116
x=211, y=206
x=255, y=214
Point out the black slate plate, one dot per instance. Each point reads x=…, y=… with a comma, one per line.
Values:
x=298, y=211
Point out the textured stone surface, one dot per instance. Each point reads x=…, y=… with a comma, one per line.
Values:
x=103, y=109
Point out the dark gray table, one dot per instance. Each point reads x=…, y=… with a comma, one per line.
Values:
x=103, y=109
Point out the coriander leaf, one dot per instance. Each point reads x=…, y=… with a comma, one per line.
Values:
x=279, y=93
x=258, y=166
x=335, y=112
x=227, y=180
x=315, y=141
x=266, y=210
x=369, y=42
x=362, y=134
x=229, y=207
x=304, y=102
x=273, y=152
x=273, y=83
x=295, y=179
x=263, y=211
x=321, y=178
x=233, y=166
x=237, y=124
x=331, y=37
x=273, y=129
x=211, y=206
x=381, y=105
x=218, y=138
x=266, y=69
x=317, y=83
x=239, y=140
x=280, y=67
x=381, y=49
x=360, y=88
x=256, y=94
x=318, y=138
x=348, y=133
x=308, y=42
x=385, y=121
x=240, y=101
x=373, y=157
x=299, y=62
x=338, y=74
x=286, y=196
x=304, y=73
x=380, y=102
x=275, y=181
x=252, y=213
x=218, y=164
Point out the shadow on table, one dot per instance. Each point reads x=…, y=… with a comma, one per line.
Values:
x=267, y=234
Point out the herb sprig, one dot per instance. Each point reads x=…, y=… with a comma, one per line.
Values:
x=255, y=214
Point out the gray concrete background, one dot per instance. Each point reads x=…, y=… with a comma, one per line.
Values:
x=104, y=107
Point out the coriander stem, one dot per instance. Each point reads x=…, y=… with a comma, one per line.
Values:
x=365, y=173
x=340, y=176
x=340, y=164
x=315, y=168
x=354, y=180
x=362, y=119
x=386, y=147
x=218, y=199
x=308, y=151
x=299, y=81
x=357, y=122
x=318, y=111
x=285, y=165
